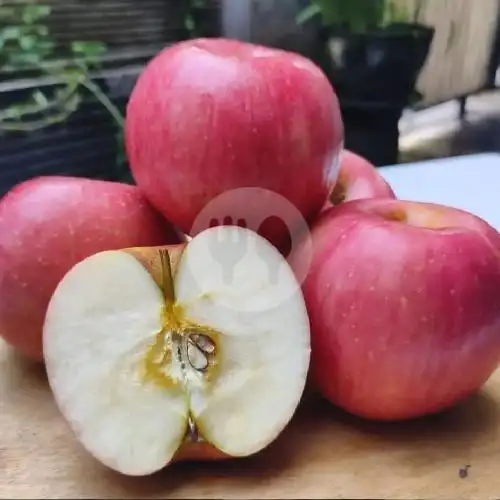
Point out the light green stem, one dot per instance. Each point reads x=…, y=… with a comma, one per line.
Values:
x=104, y=100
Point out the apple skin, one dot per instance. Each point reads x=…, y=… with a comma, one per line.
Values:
x=358, y=179
x=47, y=225
x=199, y=451
x=403, y=299
x=208, y=116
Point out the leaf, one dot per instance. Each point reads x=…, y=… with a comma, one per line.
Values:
x=357, y=15
x=24, y=60
x=11, y=33
x=72, y=75
x=396, y=13
x=34, y=12
x=335, y=12
x=28, y=42
x=13, y=112
x=45, y=46
x=73, y=103
x=308, y=13
x=88, y=49
x=7, y=13
x=40, y=29
x=39, y=97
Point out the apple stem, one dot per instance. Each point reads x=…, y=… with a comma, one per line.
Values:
x=196, y=357
x=167, y=284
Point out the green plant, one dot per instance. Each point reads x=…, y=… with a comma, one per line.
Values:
x=26, y=45
x=358, y=15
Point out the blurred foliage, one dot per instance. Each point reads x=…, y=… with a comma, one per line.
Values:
x=359, y=16
x=26, y=46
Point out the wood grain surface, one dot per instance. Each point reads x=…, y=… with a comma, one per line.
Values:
x=323, y=454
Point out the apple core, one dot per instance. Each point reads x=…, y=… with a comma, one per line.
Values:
x=192, y=347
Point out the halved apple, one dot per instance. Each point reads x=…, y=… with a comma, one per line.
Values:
x=152, y=351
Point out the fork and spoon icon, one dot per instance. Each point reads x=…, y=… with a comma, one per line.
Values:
x=260, y=210
x=229, y=250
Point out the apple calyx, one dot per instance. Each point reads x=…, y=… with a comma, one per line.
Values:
x=339, y=193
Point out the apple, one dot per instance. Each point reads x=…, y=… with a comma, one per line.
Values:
x=209, y=116
x=48, y=224
x=358, y=179
x=153, y=352
x=403, y=299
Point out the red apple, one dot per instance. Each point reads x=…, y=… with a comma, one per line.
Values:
x=404, y=304
x=358, y=179
x=47, y=225
x=153, y=356
x=209, y=116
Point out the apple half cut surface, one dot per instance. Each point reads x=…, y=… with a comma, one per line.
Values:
x=149, y=350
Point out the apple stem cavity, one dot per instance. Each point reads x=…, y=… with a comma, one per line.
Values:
x=339, y=193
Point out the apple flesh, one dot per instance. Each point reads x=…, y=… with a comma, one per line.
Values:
x=152, y=351
x=358, y=179
x=48, y=224
x=403, y=299
x=209, y=116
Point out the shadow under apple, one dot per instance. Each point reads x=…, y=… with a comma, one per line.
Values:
x=321, y=433
x=320, y=436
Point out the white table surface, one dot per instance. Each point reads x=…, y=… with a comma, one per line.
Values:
x=470, y=182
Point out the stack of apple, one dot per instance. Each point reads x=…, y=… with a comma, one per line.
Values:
x=160, y=347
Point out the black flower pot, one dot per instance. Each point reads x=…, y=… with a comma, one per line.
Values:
x=372, y=131
x=374, y=75
x=381, y=65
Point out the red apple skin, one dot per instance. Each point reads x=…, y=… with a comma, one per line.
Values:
x=47, y=225
x=211, y=115
x=358, y=179
x=404, y=304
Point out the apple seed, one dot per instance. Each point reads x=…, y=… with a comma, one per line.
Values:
x=203, y=342
x=200, y=348
x=196, y=357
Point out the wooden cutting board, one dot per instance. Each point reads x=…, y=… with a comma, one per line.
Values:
x=323, y=454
